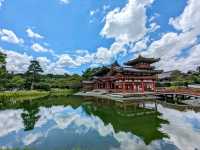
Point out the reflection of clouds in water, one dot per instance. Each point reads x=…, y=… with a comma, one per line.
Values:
x=31, y=138
x=181, y=130
x=129, y=142
x=66, y=116
x=79, y=122
x=10, y=121
x=63, y=117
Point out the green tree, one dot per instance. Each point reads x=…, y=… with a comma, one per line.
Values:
x=17, y=82
x=87, y=73
x=90, y=72
x=177, y=75
x=2, y=58
x=2, y=70
x=34, y=70
x=2, y=64
x=198, y=69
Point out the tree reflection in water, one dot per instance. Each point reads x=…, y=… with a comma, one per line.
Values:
x=29, y=114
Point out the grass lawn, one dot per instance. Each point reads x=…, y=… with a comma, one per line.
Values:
x=34, y=94
x=62, y=92
x=23, y=95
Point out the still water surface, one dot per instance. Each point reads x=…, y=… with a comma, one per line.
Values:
x=69, y=123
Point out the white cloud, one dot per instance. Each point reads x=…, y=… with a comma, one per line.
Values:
x=127, y=24
x=169, y=48
x=1, y=2
x=180, y=130
x=154, y=17
x=153, y=27
x=172, y=44
x=83, y=57
x=34, y=35
x=190, y=17
x=191, y=62
x=10, y=37
x=44, y=62
x=11, y=121
x=106, y=56
x=39, y=48
x=103, y=55
x=65, y=1
x=93, y=12
x=67, y=60
x=50, y=67
x=105, y=7
x=86, y=58
x=16, y=62
x=140, y=45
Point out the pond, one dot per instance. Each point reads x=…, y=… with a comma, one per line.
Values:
x=75, y=123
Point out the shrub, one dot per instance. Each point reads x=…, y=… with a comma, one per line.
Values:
x=42, y=86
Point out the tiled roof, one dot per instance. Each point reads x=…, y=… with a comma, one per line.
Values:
x=140, y=59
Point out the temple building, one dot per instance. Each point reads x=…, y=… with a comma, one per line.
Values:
x=135, y=76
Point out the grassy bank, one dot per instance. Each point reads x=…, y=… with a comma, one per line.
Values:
x=62, y=92
x=30, y=95
x=22, y=95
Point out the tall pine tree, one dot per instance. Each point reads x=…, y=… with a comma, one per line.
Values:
x=34, y=70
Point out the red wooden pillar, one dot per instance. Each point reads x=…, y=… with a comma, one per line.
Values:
x=142, y=86
x=133, y=87
x=154, y=86
x=123, y=87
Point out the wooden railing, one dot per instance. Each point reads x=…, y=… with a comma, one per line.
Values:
x=189, y=91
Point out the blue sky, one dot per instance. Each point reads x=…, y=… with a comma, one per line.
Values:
x=68, y=36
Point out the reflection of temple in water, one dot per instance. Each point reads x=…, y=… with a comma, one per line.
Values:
x=137, y=118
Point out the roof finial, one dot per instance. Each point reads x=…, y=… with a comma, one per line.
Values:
x=115, y=63
x=140, y=56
